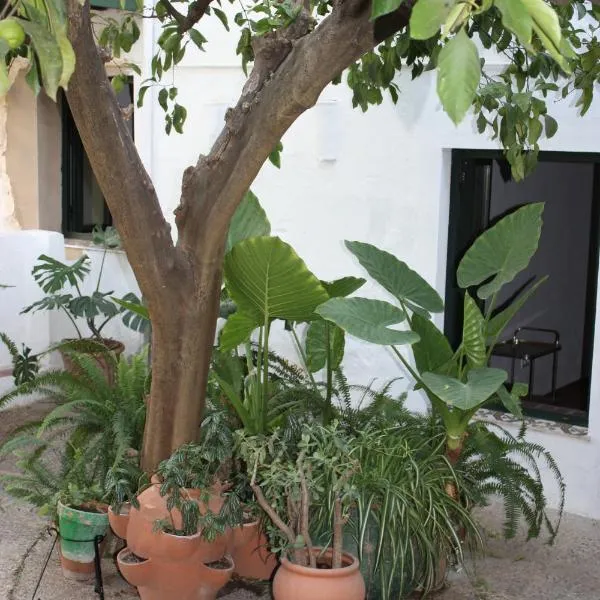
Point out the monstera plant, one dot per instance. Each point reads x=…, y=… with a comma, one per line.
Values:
x=457, y=381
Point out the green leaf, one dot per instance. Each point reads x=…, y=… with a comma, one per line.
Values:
x=481, y=385
x=249, y=220
x=49, y=55
x=517, y=19
x=498, y=323
x=52, y=275
x=428, y=16
x=4, y=79
x=222, y=17
x=551, y=126
x=51, y=302
x=268, y=280
x=368, y=320
x=511, y=400
x=134, y=314
x=318, y=334
x=384, y=7
x=198, y=39
x=473, y=340
x=459, y=72
x=343, y=287
x=92, y=306
x=237, y=330
x=502, y=251
x=396, y=277
x=432, y=352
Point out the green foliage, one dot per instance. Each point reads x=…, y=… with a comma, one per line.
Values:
x=96, y=429
x=508, y=466
x=25, y=364
x=196, y=467
x=249, y=220
x=62, y=283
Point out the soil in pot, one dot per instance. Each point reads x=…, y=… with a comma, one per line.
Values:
x=132, y=559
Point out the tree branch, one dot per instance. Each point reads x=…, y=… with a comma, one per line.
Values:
x=126, y=185
x=196, y=11
x=292, y=67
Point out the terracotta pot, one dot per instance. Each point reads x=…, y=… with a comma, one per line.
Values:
x=294, y=582
x=146, y=542
x=187, y=579
x=250, y=553
x=119, y=522
x=112, y=345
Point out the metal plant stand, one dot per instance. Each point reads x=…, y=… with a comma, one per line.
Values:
x=98, y=583
x=528, y=351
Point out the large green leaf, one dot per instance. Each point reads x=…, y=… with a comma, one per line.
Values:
x=49, y=54
x=473, y=340
x=512, y=400
x=98, y=304
x=432, y=352
x=502, y=251
x=428, y=16
x=249, y=220
x=133, y=313
x=50, y=302
x=459, y=72
x=396, y=277
x=55, y=9
x=498, y=322
x=517, y=19
x=268, y=280
x=324, y=339
x=52, y=275
x=343, y=287
x=384, y=7
x=481, y=385
x=237, y=330
x=368, y=320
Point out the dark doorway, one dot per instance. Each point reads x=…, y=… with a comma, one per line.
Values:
x=482, y=191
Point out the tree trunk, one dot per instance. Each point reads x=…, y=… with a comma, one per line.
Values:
x=182, y=344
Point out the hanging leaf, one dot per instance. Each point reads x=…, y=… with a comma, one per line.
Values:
x=49, y=55
x=473, y=340
x=324, y=339
x=384, y=7
x=459, y=72
x=268, y=280
x=343, y=287
x=396, y=277
x=249, y=220
x=368, y=320
x=428, y=16
x=502, y=251
x=517, y=19
x=237, y=330
x=481, y=385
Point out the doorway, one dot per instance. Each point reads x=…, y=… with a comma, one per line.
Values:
x=483, y=191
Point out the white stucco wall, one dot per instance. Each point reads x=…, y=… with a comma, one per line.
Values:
x=381, y=177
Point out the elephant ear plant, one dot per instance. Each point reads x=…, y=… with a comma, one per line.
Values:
x=458, y=381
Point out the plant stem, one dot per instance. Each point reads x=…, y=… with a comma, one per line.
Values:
x=303, y=357
x=328, y=408
x=338, y=526
x=265, y=391
x=305, y=506
x=72, y=321
x=101, y=269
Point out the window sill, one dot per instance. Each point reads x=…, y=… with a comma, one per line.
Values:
x=75, y=247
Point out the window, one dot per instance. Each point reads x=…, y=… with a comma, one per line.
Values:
x=83, y=205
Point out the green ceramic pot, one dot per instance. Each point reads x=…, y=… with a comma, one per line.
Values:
x=78, y=527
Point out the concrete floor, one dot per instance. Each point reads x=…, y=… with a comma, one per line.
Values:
x=514, y=570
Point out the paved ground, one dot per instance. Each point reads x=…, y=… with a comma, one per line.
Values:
x=515, y=570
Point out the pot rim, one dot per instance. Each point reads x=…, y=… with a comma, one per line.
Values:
x=327, y=573
x=127, y=550
x=103, y=508
x=111, y=344
x=121, y=513
x=227, y=557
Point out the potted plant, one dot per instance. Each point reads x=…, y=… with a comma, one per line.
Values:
x=178, y=534
x=62, y=283
x=294, y=483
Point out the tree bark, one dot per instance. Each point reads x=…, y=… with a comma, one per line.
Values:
x=182, y=282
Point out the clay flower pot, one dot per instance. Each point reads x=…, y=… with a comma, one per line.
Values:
x=112, y=345
x=144, y=541
x=188, y=579
x=118, y=522
x=294, y=582
x=78, y=527
x=250, y=554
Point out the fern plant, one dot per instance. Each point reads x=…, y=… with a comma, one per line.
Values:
x=25, y=364
x=99, y=423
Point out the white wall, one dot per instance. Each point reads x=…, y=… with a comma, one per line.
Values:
x=381, y=177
